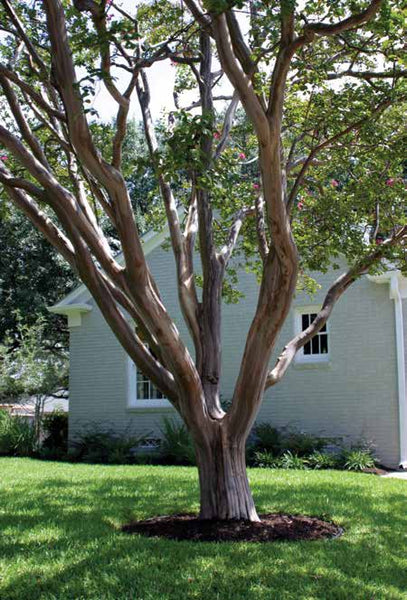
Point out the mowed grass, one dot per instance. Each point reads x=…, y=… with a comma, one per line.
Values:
x=60, y=538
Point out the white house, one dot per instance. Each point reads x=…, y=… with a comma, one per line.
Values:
x=349, y=382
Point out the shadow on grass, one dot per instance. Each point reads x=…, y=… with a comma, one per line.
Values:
x=60, y=538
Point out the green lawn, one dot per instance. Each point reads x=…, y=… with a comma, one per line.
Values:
x=59, y=537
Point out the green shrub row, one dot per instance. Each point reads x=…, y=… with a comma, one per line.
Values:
x=18, y=436
x=284, y=448
x=356, y=459
x=267, y=448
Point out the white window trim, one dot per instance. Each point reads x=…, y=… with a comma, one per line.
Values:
x=300, y=357
x=132, y=400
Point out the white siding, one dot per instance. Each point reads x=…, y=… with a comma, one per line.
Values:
x=354, y=396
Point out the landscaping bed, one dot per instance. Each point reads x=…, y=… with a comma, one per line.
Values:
x=270, y=528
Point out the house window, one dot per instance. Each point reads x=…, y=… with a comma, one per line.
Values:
x=142, y=393
x=317, y=349
x=146, y=390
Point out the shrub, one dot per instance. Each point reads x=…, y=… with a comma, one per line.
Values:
x=264, y=460
x=358, y=459
x=278, y=441
x=103, y=446
x=302, y=444
x=176, y=445
x=55, y=428
x=267, y=438
x=17, y=436
x=292, y=461
x=322, y=460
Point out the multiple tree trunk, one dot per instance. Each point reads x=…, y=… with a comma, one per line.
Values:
x=191, y=385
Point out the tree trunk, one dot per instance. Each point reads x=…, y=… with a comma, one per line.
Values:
x=225, y=490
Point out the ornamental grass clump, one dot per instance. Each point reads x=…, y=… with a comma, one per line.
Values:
x=17, y=435
x=358, y=459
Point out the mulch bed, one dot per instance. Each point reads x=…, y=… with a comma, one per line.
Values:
x=272, y=527
x=376, y=471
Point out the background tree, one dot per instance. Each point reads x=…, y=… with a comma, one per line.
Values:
x=33, y=275
x=314, y=83
x=29, y=372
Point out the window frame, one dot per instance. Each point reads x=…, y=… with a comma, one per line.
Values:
x=133, y=401
x=300, y=357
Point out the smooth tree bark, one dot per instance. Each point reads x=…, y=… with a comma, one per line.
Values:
x=62, y=209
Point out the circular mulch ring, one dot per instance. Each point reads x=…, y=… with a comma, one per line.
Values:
x=271, y=527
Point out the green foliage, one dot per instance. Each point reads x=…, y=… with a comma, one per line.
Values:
x=268, y=438
x=358, y=459
x=322, y=460
x=32, y=276
x=17, y=436
x=99, y=445
x=302, y=443
x=55, y=431
x=290, y=449
x=288, y=460
x=264, y=460
x=27, y=367
x=176, y=444
x=276, y=441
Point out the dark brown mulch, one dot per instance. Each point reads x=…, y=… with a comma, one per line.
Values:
x=375, y=471
x=272, y=527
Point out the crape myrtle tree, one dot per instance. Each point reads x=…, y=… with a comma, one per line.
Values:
x=315, y=171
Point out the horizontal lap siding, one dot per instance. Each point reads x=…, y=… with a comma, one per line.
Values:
x=355, y=397
x=98, y=367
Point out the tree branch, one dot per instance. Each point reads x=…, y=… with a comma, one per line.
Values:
x=28, y=89
x=227, y=125
x=332, y=296
x=186, y=285
x=22, y=124
x=39, y=219
x=394, y=74
x=237, y=222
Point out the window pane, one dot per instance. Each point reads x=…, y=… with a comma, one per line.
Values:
x=324, y=343
x=140, y=390
x=146, y=389
x=315, y=345
x=307, y=348
x=305, y=321
x=323, y=328
x=313, y=317
x=155, y=393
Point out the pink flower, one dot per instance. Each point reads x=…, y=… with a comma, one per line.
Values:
x=109, y=2
x=256, y=186
x=390, y=181
x=242, y=155
x=216, y=135
x=109, y=17
x=300, y=205
x=4, y=157
x=334, y=183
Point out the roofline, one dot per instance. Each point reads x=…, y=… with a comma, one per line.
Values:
x=150, y=241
